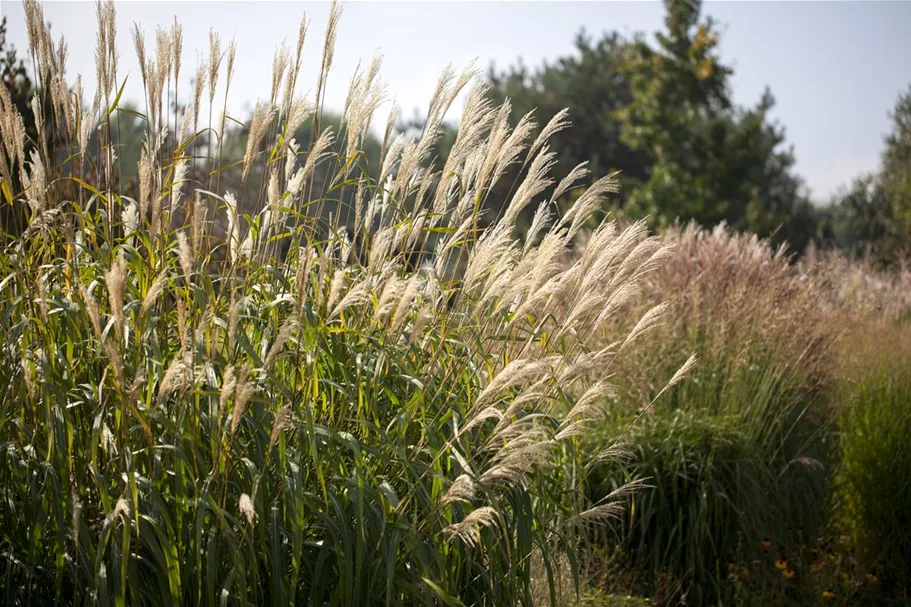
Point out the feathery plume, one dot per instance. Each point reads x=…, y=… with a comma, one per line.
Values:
x=181, y=324
x=156, y=288
x=404, y=305
x=579, y=172
x=115, y=278
x=618, y=452
x=279, y=65
x=91, y=307
x=317, y=152
x=535, y=182
x=591, y=404
x=122, y=508
x=298, y=112
x=139, y=381
x=589, y=202
x=468, y=530
x=180, y=176
x=335, y=13
x=163, y=57
x=42, y=296
x=516, y=372
x=262, y=116
x=338, y=280
x=35, y=183
x=38, y=114
x=233, y=231
x=130, y=218
x=555, y=125
x=462, y=490
x=228, y=385
x=199, y=220
x=174, y=378
x=282, y=420
x=185, y=256
x=242, y=395
x=215, y=58
x=176, y=49
x=145, y=181
x=199, y=82
x=517, y=458
x=286, y=329
x=114, y=358
x=649, y=320
x=681, y=373
x=394, y=113
x=609, y=507
x=291, y=79
x=245, y=505
x=232, y=55
x=233, y=321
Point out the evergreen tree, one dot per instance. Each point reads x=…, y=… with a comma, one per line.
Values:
x=710, y=161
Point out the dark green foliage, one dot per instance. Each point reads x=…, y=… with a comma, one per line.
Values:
x=896, y=166
x=707, y=485
x=862, y=217
x=873, y=481
x=720, y=484
x=663, y=116
x=874, y=213
x=710, y=161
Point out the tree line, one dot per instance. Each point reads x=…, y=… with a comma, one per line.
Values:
x=662, y=115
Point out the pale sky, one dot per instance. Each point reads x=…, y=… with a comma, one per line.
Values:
x=835, y=68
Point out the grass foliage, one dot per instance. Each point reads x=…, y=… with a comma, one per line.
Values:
x=287, y=363
x=772, y=471
x=377, y=405
x=875, y=444
x=737, y=454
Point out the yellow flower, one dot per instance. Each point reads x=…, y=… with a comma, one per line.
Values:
x=781, y=565
x=787, y=574
x=828, y=595
x=872, y=578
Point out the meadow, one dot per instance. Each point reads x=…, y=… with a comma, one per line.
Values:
x=262, y=367
x=774, y=466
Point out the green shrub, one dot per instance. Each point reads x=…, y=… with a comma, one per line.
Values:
x=706, y=483
x=714, y=493
x=737, y=453
x=874, y=488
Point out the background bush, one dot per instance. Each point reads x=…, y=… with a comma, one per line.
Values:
x=875, y=445
x=737, y=454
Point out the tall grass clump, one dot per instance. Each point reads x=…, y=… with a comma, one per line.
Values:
x=875, y=451
x=857, y=289
x=736, y=454
x=381, y=404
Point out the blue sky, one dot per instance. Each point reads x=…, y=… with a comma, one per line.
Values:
x=835, y=68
